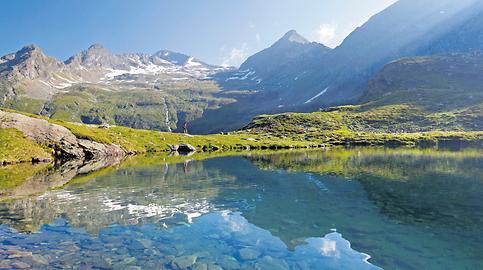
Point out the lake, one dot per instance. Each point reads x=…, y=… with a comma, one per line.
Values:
x=363, y=208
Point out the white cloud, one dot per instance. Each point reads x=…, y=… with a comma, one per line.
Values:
x=258, y=37
x=235, y=56
x=326, y=34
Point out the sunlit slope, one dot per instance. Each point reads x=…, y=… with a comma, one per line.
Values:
x=422, y=94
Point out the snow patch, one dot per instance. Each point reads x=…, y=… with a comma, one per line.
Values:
x=44, y=82
x=192, y=63
x=318, y=95
x=62, y=85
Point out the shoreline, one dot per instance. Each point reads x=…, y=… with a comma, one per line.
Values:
x=34, y=139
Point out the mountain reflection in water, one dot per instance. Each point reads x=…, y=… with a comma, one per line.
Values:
x=407, y=209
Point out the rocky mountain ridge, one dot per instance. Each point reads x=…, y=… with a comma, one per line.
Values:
x=41, y=76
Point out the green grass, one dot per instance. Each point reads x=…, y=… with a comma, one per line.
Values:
x=15, y=147
x=14, y=175
x=25, y=104
x=396, y=125
x=137, y=108
x=146, y=141
x=142, y=141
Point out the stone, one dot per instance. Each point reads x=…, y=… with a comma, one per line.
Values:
x=302, y=266
x=200, y=266
x=184, y=262
x=129, y=260
x=173, y=148
x=5, y=264
x=132, y=267
x=214, y=267
x=40, y=259
x=270, y=263
x=65, y=144
x=20, y=265
x=228, y=263
x=186, y=148
x=146, y=243
x=248, y=254
x=136, y=245
x=43, y=132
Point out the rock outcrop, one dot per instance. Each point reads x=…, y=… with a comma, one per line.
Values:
x=182, y=148
x=65, y=144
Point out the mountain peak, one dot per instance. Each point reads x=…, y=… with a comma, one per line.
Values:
x=95, y=56
x=294, y=37
x=173, y=57
x=30, y=48
x=96, y=46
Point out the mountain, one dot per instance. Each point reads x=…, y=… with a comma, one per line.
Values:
x=307, y=76
x=264, y=83
x=269, y=70
x=407, y=28
x=23, y=69
x=96, y=86
x=444, y=92
x=416, y=94
x=164, y=89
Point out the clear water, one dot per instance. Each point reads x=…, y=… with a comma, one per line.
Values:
x=336, y=209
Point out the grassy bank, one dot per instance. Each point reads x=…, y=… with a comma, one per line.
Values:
x=291, y=130
x=15, y=147
x=395, y=125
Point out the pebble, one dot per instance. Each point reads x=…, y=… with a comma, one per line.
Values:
x=229, y=263
x=5, y=264
x=248, y=254
x=214, y=267
x=21, y=265
x=200, y=266
x=270, y=263
x=40, y=259
x=184, y=262
x=129, y=260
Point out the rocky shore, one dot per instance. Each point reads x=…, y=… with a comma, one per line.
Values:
x=65, y=145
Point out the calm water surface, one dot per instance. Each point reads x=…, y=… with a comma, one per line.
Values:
x=334, y=209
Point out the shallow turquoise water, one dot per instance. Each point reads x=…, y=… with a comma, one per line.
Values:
x=338, y=209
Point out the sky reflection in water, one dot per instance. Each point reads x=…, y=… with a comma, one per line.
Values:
x=407, y=209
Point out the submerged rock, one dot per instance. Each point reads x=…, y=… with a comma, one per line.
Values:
x=40, y=259
x=200, y=266
x=229, y=263
x=214, y=267
x=270, y=263
x=20, y=265
x=184, y=262
x=249, y=254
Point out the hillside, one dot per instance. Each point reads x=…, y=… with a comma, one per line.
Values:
x=421, y=94
x=49, y=140
x=158, y=91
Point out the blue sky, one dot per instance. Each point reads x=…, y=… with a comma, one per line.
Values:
x=216, y=31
